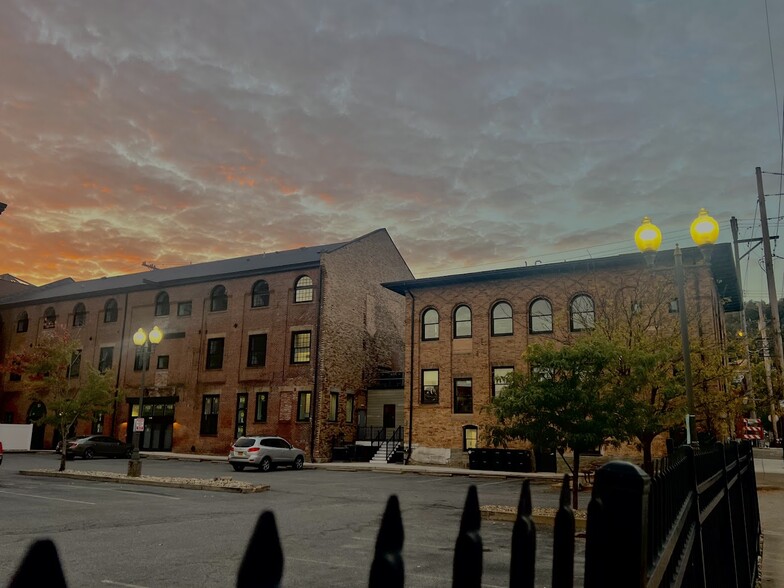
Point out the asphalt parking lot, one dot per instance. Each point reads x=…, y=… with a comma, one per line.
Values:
x=122, y=535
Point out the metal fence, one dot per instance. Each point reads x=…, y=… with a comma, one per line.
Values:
x=694, y=523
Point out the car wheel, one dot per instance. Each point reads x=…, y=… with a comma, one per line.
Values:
x=265, y=465
x=238, y=467
x=299, y=462
x=88, y=453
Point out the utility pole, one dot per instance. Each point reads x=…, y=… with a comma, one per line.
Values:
x=765, y=354
x=734, y=227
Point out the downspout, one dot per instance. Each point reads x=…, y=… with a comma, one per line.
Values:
x=411, y=384
x=119, y=367
x=314, y=403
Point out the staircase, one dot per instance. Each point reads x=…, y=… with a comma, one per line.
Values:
x=387, y=446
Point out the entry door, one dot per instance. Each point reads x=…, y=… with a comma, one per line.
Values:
x=389, y=416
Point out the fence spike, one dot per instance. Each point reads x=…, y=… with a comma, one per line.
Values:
x=563, y=540
x=40, y=567
x=467, y=565
x=262, y=565
x=522, y=570
x=387, y=570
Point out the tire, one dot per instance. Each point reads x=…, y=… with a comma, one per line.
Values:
x=299, y=462
x=265, y=465
x=238, y=467
x=88, y=453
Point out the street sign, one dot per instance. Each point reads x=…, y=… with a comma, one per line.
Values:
x=138, y=425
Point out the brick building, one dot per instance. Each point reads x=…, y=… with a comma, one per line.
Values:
x=280, y=343
x=466, y=330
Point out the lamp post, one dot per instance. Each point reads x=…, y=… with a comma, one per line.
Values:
x=704, y=231
x=140, y=339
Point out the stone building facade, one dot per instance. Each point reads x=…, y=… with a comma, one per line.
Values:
x=464, y=331
x=281, y=343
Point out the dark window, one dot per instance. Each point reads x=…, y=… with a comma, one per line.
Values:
x=349, y=408
x=303, y=406
x=582, y=317
x=110, y=311
x=300, y=347
x=462, y=322
x=162, y=304
x=470, y=437
x=303, y=290
x=500, y=375
x=241, y=415
x=429, y=387
x=97, y=428
x=219, y=299
x=105, y=358
x=13, y=377
x=430, y=325
x=209, y=414
x=262, y=401
x=334, y=397
x=464, y=396
x=260, y=294
x=184, y=308
x=50, y=318
x=673, y=307
x=79, y=315
x=636, y=307
x=257, y=350
x=163, y=362
x=215, y=353
x=22, y=322
x=502, y=319
x=540, y=316
x=76, y=364
x=142, y=354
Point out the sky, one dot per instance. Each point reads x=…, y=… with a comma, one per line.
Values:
x=482, y=135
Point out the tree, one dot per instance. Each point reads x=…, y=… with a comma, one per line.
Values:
x=52, y=367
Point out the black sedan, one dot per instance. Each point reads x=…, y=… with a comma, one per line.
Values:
x=89, y=446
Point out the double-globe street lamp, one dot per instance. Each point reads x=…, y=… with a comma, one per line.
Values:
x=704, y=232
x=141, y=340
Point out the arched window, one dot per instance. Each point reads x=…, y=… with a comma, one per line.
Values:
x=540, y=316
x=581, y=313
x=50, y=318
x=260, y=294
x=22, y=322
x=430, y=325
x=110, y=311
x=79, y=315
x=219, y=300
x=502, y=319
x=470, y=437
x=462, y=322
x=303, y=290
x=162, y=304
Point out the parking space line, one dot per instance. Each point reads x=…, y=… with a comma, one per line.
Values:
x=46, y=497
x=113, y=583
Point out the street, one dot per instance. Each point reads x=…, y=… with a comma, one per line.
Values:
x=111, y=534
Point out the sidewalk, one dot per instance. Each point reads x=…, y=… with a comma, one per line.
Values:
x=770, y=493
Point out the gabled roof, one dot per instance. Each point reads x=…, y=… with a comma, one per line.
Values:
x=303, y=257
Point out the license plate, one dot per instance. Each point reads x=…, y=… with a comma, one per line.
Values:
x=240, y=453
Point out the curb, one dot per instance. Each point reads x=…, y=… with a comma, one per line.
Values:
x=489, y=514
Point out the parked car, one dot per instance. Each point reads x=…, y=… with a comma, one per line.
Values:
x=89, y=446
x=265, y=453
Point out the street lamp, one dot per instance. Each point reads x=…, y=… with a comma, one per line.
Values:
x=140, y=339
x=704, y=231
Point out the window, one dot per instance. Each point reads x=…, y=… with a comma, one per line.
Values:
x=262, y=401
x=219, y=300
x=349, y=408
x=464, y=396
x=673, y=308
x=582, y=316
x=162, y=304
x=300, y=347
x=22, y=322
x=241, y=415
x=110, y=311
x=163, y=362
x=303, y=406
x=184, y=308
x=502, y=319
x=97, y=428
x=215, y=353
x=470, y=435
x=14, y=377
x=142, y=354
x=259, y=294
x=636, y=307
x=76, y=364
x=540, y=316
x=500, y=382
x=429, y=386
x=79, y=315
x=50, y=318
x=334, y=397
x=209, y=414
x=105, y=358
x=303, y=290
x=257, y=350
x=462, y=322
x=430, y=325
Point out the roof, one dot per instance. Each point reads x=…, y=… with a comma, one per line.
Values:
x=722, y=268
x=303, y=257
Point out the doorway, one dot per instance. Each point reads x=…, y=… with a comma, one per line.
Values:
x=158, y=423
x=389, y=416
x=37, y=411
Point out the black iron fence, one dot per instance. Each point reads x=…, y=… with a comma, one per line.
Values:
x=694, y=523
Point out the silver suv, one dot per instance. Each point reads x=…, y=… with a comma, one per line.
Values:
x=264, y=452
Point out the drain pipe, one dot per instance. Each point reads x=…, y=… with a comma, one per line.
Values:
x=411, y=383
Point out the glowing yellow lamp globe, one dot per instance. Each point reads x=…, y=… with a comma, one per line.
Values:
x=704, y=229
x=156, y=335
x=647, y=237
x=139, y=337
